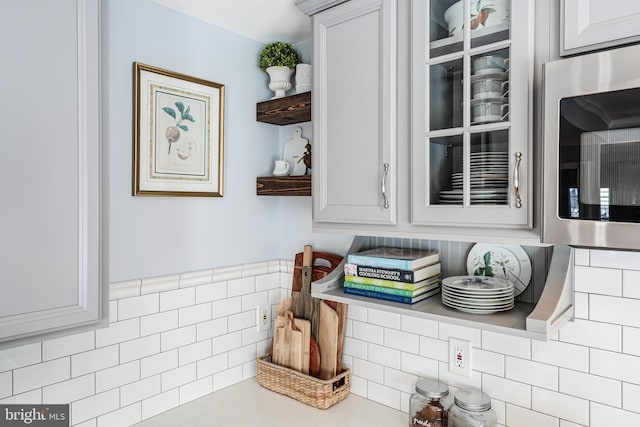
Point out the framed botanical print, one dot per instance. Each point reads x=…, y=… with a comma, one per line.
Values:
x=178, y=134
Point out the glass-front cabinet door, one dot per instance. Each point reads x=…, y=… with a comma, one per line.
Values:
x=471, y=112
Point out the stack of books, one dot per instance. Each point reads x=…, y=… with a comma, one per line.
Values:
x=393, y=274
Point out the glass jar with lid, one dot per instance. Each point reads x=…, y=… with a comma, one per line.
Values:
x=472, y=408
x=429, y=405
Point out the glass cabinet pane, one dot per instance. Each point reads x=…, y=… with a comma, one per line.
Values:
x=445, y=170
x=489, y=21
x=445, y=95
x=489, y=168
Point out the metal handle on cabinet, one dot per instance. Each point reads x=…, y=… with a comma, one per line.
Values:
x=516, y=180
x=383, y=188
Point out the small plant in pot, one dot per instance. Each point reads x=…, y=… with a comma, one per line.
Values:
x=278, y=59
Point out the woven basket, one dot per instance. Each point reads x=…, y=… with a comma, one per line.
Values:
x=304, y=388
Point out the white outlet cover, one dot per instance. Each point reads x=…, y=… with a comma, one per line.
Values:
x=263, y=317
x=460, y=357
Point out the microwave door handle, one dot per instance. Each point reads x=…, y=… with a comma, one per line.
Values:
x=516, y=180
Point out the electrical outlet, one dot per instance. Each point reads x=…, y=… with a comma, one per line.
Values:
x=263, y=317
x=460, y=357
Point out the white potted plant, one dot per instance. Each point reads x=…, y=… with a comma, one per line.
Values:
x=278, y=59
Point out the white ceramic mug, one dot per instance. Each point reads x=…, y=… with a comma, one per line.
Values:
x=281, y=168
x=490, y=110
x=490, y=87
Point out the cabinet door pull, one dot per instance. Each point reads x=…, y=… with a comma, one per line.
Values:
x=383, y=188
x=516, y=180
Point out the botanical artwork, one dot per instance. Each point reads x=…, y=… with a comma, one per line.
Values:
x=497, y=264
x=179, y=134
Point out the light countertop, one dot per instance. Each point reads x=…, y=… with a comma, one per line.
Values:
x=249, y=404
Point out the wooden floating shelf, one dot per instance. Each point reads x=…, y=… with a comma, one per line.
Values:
x=285, y=111
x=284, y=185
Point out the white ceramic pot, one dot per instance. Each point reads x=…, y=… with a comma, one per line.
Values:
x=483, y=13
x=280, y=80
x=303, y=78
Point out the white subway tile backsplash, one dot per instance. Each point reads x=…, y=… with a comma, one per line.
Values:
x=71, y=390
x=384, y=318
x=266, y=282
x=140, y=390
x=125, y=416
x=196, y=278
x=631, y=397
x=382, y=355
x=6, y=386
x=618, y=366
x=255, y=269
x=159, y=284
x=118, y=332
x=226, y=307
x=356, y=312
x=358, y=386
x=212, y=365
x=18, y=357
x=565, y=423
x=179, y=376
x=592, y=334
x=158, y=363
x=605, y=281
x=243, y=286
x=221, y=274
x=242, y=355
x=382, y=394
x=196, y=389
x=446, y=330
x=403, y=341
x=139, y=348
x=194, y=314
x=606, y=416
x=94, y=360
x=194, y=352
x=212, y=328
x=522, y=417
x=615, y=259
x=249, y=369
x=530, y=372
x=367, y=332
x=356, y=348
x=249, y=302
x=226, y=378
x=561, y=354
x=631, y=340
x=506, y=344
x=160, y=403
x=622, y=311
x=251, y=335
x=560, y=405
x=241, y=321
x=581, y=256
x=126, y=289
x=28, y=398
x=138, y=306
x=227, y=342
x=368, y=370
x=591, y=387
x=488, y=362
x=419, y=326
x=507, y=390
x=68, y=345
x=418, y=365
x=400, y=380
x=458, y=381
x=211, y=292
x=117, y=376
x=581, y=305
x=172, y=300
x=631, y=284
x=177, y=337
x=95, y=406
x=434, y=349
x=159, y=322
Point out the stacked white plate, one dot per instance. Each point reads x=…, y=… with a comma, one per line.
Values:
x=477, y=294
x=488, y=179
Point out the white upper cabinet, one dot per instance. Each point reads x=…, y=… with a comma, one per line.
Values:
x=596, y=24
x=354, y=113
x=471, y=110
x=50, y=170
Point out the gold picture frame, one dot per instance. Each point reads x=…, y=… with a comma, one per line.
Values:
x=178, y=133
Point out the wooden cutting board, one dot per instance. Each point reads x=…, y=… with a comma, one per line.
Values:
x=288, y=343
x=305, y=327
x=341, y=311
x=328, y=341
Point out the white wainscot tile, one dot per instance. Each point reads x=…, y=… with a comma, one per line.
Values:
x=243, y=286
x=368, y=332
x=419, y=326
x=196, y=278
x=581, y=256
x=138, y=306
x=226, y=307
x=211, y=292
x=196, y=389
x=357, y=312
x=117, y=376
x=561, y=354
x=212, y=365
x=581, y=305
x=631, y=284
x=534, y=373
x=177, y=377
x=521, y=417
x=118, y=332
x=69, y=391
x=631, y=340
x=6, y=384
x=434, y=348
x=458, y=381
x=249, y=302
x=249, y=369
x=368, y=370
x=95, y=406
x=266, y=282
x=140, y=390
x=194, y=352
x=251, y=336
x=126, y=416
x=28, y=398
x=137, y=349
x=607, y=416
x=383, y=356
x=447, y=330
x=94, y=360
x=159, y=284
x=631, y=397
x=384, y=318
x=159, y=322
x=237, y=322
x=178, y=337
x=226, y=378
x=277, y=295
x=355, y=348
x=359, y=386
x=605, y=281
x=18, y=357
x=384, y=395
x=506, y=344
x=420, y=366
x=399, y=380
x=158, y=363
x=172, y=300
x=400, y=340
x=212, y=328
x=487, y=361
x=615, y=259
x=591, y=387
x=227, y=273
x=506, y=390
x=227, y=342
x=622, y=367
x=255, y=269
x=242, y=355
x=66, y=346
x=560, y=405
x=194, y=314
x=160, y=403
x=126, y=289
x=592, y=334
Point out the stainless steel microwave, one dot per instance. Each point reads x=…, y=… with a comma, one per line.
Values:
x=591, y=183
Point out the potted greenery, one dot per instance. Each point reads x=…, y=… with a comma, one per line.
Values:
x=278, y=59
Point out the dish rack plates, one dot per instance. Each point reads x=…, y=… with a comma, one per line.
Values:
x=477, y=294
x=488, y=180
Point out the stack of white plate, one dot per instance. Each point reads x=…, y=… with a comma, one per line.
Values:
x=488, y=179
x=477, y=294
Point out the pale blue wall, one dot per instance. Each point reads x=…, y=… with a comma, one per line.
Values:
x=150, y=236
